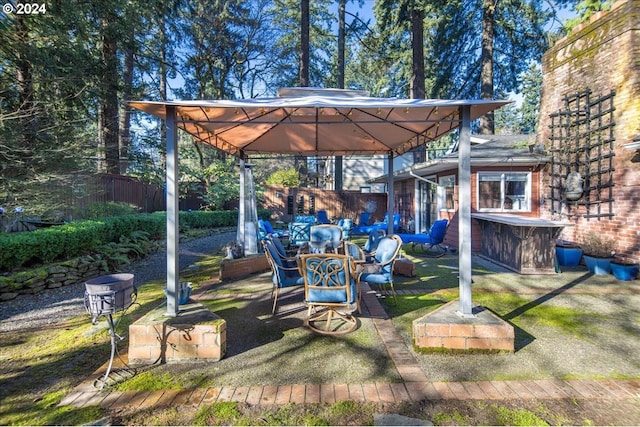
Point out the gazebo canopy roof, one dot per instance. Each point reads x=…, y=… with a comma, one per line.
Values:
x=321, y=122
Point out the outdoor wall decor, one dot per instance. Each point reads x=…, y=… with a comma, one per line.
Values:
x=573, y=186
x=582, y=155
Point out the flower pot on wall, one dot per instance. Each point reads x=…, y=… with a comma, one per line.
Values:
x=622, y=271
x=597, y=265
x=568, y=256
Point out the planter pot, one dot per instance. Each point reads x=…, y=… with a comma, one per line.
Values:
x=184, y=292
x=624, y=271
x=598, y=265
x=568, y=256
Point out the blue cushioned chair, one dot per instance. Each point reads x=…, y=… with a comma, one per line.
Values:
x=265, y=227
x=325, y=238
x=288, y=258
x=305, y=218
x=322, y=217
x=373, y=241
x=299, y=233
x=431, y=241
x=331, y=293
x=380, y=271
x=281, y=276
x=346, y=225
x=363, y=226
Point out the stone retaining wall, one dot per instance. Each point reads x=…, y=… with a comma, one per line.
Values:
x=51, y=276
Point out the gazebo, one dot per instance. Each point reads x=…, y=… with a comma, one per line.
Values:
x=319, y=122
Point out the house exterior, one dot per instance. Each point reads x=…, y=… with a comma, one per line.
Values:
x=590, y=124
x=589, y=133
x=506, y=174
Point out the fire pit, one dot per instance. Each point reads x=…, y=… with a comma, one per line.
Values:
x=106, y=295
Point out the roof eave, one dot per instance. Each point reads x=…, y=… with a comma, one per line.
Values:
x=448, y=163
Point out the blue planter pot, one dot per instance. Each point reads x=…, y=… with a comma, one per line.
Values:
x=568, y=256
x=184, y=292
x=598, y=265
x=624, y=271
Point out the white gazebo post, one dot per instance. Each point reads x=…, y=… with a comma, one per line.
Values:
x=464, y=213
x=173, y=226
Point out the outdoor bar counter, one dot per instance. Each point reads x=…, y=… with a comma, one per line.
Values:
x=522, y=244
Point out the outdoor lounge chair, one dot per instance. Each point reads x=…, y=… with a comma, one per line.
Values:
x=281, y=276
x=431, y=241
x=363, y=226
x=384, y=225
x=380, y=271
x=322, y=217
x=331, y=293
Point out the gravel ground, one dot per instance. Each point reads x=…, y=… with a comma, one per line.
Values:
x=56, y=305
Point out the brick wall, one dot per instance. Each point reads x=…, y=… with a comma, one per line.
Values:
x=604, y=56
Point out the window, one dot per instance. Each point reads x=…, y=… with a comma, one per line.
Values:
x=504, y=191
x=445, y=192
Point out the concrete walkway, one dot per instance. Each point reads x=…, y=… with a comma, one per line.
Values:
x=415, y=386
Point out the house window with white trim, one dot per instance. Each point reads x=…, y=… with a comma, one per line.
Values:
x=445, y=192
x=504, y=191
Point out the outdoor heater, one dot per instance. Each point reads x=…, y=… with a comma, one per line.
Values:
x=105, y=296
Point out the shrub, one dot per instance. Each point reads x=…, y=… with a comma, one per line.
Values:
x=598, y=246
x=83, y=237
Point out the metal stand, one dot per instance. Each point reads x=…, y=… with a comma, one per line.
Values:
x=105, y=303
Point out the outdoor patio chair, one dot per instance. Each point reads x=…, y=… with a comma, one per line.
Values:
x=265, y=227
x=373, y=241
x=346, y=225
x=380, y=271
x=431, y=241
x=363, y=226
x=281, y=276
x=331, y=293
x=299, y=233
x=288, y=257
x=322, y=217
x=325, y=238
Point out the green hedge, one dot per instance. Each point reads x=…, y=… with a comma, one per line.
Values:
x=79, y=238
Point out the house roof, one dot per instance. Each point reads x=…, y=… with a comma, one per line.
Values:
x=486, y=150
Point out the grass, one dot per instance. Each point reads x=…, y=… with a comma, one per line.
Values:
x=39, y=368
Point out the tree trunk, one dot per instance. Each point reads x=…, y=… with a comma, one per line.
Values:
x=304, y=43
x=417, y=75
x=486, y=76
x=417, y=46
x=24, y=79
x=124, y=139
x=108, y=109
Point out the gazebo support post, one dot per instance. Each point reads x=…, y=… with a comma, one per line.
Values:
x=173, y=225
x=390, y=194
x=464, y=213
